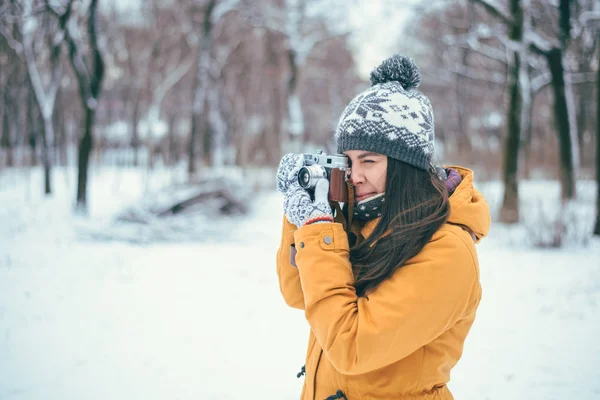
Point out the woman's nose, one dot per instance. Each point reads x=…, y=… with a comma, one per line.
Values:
x=356, y=176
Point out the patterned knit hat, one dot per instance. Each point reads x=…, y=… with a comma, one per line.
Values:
x=391, y=117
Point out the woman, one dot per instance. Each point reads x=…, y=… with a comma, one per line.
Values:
x=391, y=303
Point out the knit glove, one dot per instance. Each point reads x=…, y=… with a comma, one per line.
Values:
x=300, y=210
x=289, y=166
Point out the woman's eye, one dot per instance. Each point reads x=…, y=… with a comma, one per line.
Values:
x=369, y=161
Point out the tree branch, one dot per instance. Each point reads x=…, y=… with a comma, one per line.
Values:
x=583, y=77
x=173, y=77
x=97, y=61
x=77, y=61
x=540, y=45
x=471, y=41
x=14, y=44
x=473, y=74
x=540, y=82
x=497, y=11
x=588, y=16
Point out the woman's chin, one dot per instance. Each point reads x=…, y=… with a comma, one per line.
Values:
x=363, y=200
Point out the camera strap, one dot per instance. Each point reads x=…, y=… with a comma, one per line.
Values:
x=346, y=221
x=350, y=205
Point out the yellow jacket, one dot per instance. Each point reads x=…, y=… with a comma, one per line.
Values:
x=402, y=340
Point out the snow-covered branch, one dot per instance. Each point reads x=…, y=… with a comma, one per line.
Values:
x=497, y=10
x=472, y=41
x=306, y=46
x=11, y=41
x=186, y=26
x=539, y=44
x=222, y=8
x=475, y=74
x=540, y=82
x=46, y=97
x=55, y=11
x=543, y=80
x=589, y=16
x=173, y=78
x=583, y=77
x=221, y=57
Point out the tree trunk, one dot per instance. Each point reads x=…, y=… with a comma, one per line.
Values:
x=135, y=134
x=90, y=84
x=47, y=142
x=585, y=114
x=6, y=142
x=527, y=129
x=597, y=227
x=509, y=212
x=207, y=142
x=47, y=152
x=563, y=126
x=201, y=85
x=85, y=149
x=217, y=127
x=295, y=123
x=462, y=101
x=172, y=141
x=60, y=130
x=192, y=149
x=32, y=127
x=275, y=102
x=510, y=203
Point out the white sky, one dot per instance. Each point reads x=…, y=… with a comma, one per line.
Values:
x=378, y=30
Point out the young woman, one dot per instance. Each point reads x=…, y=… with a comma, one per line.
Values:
x=390, y=303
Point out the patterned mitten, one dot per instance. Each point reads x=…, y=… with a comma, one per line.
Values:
x=300, y=210
x=287, y=173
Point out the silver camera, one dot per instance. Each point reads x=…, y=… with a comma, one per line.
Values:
x=320, y=166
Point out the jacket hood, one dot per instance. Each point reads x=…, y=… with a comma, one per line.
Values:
x=468, y=208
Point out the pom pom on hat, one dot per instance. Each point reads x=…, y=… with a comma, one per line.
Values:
x=400, y=69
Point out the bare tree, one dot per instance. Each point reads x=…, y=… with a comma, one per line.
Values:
x=597, y=227
x=517, y=21
x=201, y=81
x=564, y=107
x=303, y=31
x=138, y=65
x=590, y=22
x=89, y=70
x=29, y=23
x=10, y=68
x=214, y=143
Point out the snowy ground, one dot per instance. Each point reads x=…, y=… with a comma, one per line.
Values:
x=89, y=319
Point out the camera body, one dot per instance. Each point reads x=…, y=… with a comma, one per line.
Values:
x=333, y=167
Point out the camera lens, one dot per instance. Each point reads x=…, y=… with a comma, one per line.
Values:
x=308, y=176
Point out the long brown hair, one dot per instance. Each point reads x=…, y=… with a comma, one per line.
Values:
x=416, y=206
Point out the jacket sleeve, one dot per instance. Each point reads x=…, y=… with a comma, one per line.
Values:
x=418, y=303
x=289, y=280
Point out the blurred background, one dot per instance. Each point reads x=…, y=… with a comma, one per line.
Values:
x=139, y=220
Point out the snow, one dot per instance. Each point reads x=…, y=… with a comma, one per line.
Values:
x=88, y=319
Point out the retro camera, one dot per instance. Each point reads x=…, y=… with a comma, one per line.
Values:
x=332, y=167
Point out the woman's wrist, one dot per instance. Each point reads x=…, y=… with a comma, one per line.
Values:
x=319, y=219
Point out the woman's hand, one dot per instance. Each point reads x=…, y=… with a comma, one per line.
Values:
x=300, y=210
x=289, y=166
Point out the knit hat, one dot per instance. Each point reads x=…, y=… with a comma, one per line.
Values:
x=391, y=117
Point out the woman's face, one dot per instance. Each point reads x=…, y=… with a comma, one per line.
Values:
x=367, y=173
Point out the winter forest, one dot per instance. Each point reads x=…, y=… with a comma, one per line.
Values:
x=139, y=220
